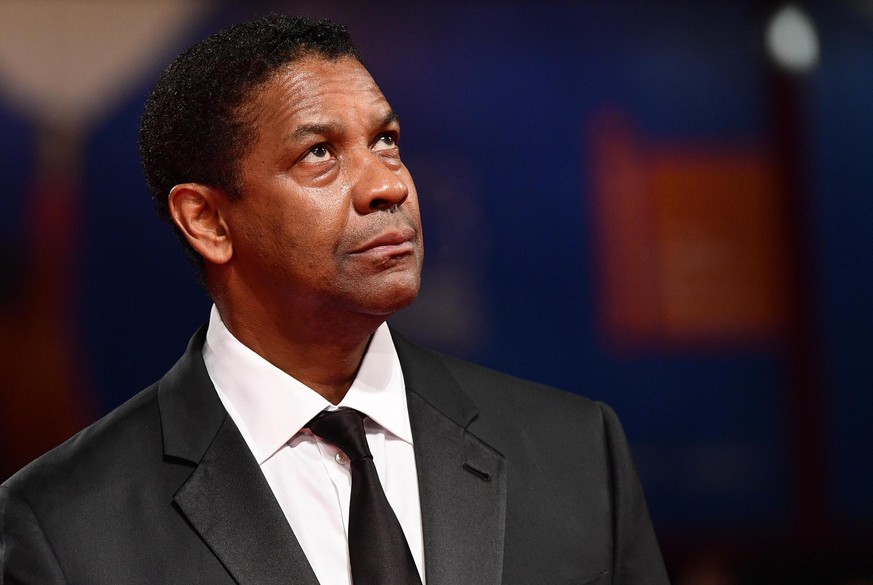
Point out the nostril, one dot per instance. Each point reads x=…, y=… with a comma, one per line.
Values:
x=384, y=205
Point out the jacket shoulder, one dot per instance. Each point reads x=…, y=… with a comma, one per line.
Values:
x=115, y=444
x=509, y=396
x=508, y=410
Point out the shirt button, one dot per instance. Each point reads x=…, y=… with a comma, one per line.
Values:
x=342, y=458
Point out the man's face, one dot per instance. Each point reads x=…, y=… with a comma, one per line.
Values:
x=328, y=220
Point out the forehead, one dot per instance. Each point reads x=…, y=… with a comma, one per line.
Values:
x=316, y=90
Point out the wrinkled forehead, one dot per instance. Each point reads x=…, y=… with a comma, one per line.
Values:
x=340, y=94
x=312, y=84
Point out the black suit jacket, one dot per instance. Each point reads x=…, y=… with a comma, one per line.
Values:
x=519, y=484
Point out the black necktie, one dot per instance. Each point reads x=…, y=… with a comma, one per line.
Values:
x=378, y=549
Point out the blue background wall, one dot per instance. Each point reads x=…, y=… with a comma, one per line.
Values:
x=495, y=99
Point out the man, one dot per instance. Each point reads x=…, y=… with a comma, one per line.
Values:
x=275, y=156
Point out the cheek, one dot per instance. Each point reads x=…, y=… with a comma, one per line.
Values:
x=413, y=212
x=320, y=234
x=412, y=198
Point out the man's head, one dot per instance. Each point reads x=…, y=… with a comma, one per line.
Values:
x=197, y=121
x=275, y=155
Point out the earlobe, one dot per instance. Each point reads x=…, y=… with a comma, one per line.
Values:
x=196, y=209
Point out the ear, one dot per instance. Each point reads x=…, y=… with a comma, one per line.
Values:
x=196, y=209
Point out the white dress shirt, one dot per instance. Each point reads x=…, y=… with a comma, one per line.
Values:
x=310, y=478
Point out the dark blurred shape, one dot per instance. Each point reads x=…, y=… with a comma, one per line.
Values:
x=12, y=268
x=708, y=568
x=45, y=398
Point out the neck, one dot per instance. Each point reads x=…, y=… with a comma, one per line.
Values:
x=325, y=358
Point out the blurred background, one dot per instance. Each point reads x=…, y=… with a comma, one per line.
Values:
x=662, y=205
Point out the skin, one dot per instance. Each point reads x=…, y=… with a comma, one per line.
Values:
x=314, y=256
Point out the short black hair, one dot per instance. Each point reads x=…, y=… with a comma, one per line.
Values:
x=195, y=126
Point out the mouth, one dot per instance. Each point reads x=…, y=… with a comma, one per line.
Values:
x=393, y=242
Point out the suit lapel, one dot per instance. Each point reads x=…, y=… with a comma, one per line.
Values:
x=230, y=505
x=228, y=502
x=226, y=499
x=462, y=481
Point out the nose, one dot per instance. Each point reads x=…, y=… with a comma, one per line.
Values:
x=378, y=187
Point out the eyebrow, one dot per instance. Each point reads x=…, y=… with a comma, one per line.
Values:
x=313, y=129
x=390, y=118
x=305, y=130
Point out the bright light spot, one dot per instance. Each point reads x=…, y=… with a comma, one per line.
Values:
x=792, y=40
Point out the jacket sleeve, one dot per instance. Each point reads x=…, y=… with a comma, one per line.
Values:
x=636, y=555
x=26, y=556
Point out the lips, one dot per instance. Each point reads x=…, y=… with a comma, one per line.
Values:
x=394, y=241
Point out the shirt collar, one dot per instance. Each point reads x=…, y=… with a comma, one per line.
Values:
x=270, y=407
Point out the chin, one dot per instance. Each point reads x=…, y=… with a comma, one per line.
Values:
x=393, y=298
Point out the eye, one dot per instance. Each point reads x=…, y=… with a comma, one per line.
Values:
x=318, y=153
x=386, y=141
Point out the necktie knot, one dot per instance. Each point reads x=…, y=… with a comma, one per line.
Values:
x=344, y=429
x=378, y=551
